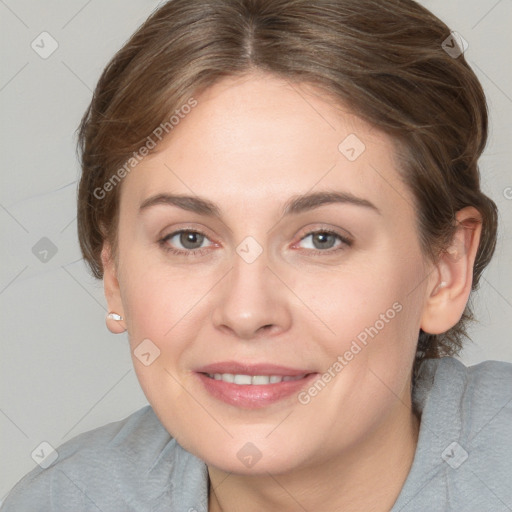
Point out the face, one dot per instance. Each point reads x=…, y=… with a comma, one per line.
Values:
x=262, y=281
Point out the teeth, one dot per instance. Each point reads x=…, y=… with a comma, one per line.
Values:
x=243, y=379
x=260, y=379
x=255, y=380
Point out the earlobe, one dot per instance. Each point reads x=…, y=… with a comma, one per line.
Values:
x=114, y=320
x=115, y=323
x=451, y=281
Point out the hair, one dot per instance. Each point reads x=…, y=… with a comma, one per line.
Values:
x=383, y=58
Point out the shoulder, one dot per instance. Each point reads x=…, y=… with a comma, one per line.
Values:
x=486, y=371
x=108, y=467
x=473, y=390
x=471, y=403
x=463, y=459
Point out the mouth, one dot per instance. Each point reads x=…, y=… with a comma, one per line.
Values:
x=253, y=380
x=253, y=387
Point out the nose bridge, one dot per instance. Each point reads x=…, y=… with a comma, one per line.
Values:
x=253, y=260
x=250, y=297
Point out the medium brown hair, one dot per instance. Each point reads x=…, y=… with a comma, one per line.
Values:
x=383, y=58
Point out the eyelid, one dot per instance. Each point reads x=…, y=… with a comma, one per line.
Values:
x=167, y=233
x=325, y=228
x=345, y=242
x=163, y=241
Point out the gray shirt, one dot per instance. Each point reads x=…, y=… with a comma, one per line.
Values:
x=463, y=460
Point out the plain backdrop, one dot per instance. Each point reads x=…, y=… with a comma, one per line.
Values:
x=62, y=372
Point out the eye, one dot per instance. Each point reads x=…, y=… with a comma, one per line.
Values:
x=322, y=241
x=190, y=240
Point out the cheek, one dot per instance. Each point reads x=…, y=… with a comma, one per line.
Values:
x=372, y=300
x=167, y=306
x=144, y=302
x=156, y=312
x=155, y=296
x=374, y=317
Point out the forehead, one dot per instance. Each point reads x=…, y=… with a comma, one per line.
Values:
x=257, y=138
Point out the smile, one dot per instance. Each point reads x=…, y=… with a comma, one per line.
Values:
x=253, y=391
x=255, y=380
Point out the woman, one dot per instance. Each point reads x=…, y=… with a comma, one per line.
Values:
x=282, y=199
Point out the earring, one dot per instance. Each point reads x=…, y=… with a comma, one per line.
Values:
x=115, y=323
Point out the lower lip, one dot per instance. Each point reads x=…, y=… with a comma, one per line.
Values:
x=250, y=396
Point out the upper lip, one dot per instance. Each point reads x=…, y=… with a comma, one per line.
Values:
x=236, y=368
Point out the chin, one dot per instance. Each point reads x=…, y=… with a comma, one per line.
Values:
x=257, y=467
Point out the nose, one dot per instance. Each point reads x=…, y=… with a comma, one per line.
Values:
x=252, y=301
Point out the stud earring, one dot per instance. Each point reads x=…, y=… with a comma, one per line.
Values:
x=115, y=323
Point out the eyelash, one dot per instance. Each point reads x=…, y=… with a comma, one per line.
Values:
x=163, y=242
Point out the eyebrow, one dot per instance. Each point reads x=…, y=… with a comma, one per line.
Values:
x=295, y=205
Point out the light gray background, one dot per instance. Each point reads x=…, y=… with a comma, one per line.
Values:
x=62, y=372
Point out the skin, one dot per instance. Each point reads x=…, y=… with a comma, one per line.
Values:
x=249, y=145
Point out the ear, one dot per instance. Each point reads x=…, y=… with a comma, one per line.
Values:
x=112, y=290
x=450, y=283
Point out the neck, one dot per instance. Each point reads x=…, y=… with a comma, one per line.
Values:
x=368, y=477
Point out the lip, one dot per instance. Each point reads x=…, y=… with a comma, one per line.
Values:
x=251, y=396
x=252, y=369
